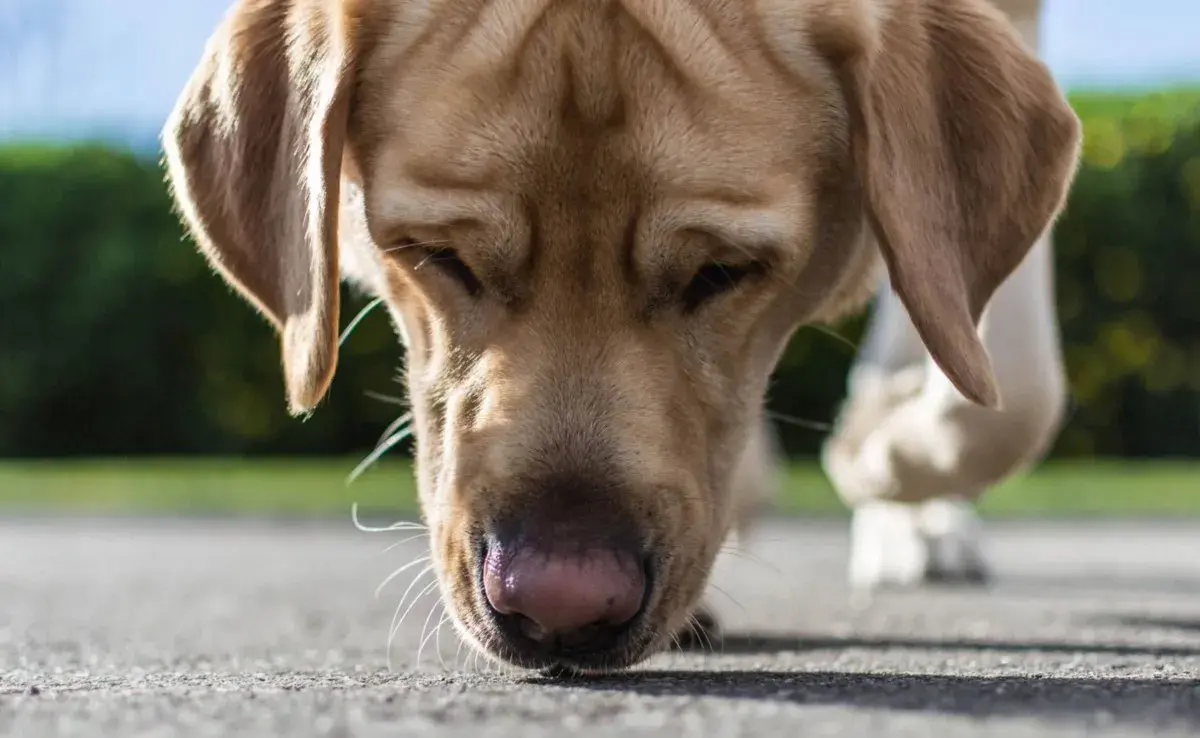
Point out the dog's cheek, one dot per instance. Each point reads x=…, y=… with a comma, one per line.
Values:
x=453, y=562
x=688, y=577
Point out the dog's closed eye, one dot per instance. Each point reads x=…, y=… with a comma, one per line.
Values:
x=446, y=260
x=715, y=279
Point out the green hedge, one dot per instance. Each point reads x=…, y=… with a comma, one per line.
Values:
x=117, y=339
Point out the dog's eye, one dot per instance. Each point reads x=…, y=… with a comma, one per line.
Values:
x=448, y=261
x=714, y=279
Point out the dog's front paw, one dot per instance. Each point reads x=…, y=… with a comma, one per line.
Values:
x=901, y=545
x=702, y=633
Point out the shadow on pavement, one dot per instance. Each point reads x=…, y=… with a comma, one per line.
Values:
x=753, y=644
x=1155, y=623
x=1058, y=586
x=1109, y=701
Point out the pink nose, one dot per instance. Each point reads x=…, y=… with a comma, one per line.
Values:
x=563, y=595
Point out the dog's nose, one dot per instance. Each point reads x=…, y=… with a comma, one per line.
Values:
x=574, y=599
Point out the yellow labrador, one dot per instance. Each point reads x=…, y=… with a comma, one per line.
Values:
x=596, y=223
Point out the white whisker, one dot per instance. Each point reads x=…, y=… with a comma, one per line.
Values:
x=437, y=642
x=458, y=653
x=814, y=425
x=387, y=445
x=390, y=400
x=397, y=623
x=424, y=629
x=410, y=539
x=676, y=642
x=396, y=617
x=392, y=577
x=750, y=557
x=396, y=425
x=358, y=319
x=700, y=632
x=833, y=334
x=403, y=525
x=414, y=245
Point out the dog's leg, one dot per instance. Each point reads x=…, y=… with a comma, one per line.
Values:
x=911, y=525
x=903, y=544
x=899, y=543
x=910, y=454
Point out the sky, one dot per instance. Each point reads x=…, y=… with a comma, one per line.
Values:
x=104, y=66
x=1122, y=41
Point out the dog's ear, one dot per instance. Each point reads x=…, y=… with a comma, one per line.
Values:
x=254, y=152
x=966, y=149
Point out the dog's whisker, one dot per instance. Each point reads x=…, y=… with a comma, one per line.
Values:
x=834, y=335
x=697, y=632
x=392, y=577
x=675, y=642
x=414, y=245
x=425, y=629
x=410, y=539
x=728, y=596
x=388, y=399
x=395, y=426
x=402, y=525
x=458, y=652
x=437, y=642
x=751, y=558
x=701, y=633
x=814, y=425
x=387, y=445
x=359, y=319
x=397, y=618
x=399, y=623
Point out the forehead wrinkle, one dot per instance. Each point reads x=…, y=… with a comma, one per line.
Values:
x=487, y=145
x=490, y=226
x=690, y=41
x=502, y=26
x=746, y=222
x=437, y=206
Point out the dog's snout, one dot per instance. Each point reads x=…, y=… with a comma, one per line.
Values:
x=574, y=598
x=566, y=579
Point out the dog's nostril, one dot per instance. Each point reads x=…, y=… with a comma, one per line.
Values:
x=588, y=636
x=532, y=630
x=572, y=599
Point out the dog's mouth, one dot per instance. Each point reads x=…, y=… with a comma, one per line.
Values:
x=584, y=612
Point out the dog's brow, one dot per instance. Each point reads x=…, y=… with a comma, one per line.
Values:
x=755, y=229
x=414, y=205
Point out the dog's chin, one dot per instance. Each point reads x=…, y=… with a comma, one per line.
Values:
x=506, y=640
x=498, y=642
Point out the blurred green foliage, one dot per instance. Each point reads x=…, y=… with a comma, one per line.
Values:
x=117, y=338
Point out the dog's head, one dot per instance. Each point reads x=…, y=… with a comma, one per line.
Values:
x=596, y=223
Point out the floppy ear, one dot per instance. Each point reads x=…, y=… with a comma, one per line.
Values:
x=254, y=151
x=965, y=147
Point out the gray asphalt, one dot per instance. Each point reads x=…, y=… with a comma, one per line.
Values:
x=257, y=629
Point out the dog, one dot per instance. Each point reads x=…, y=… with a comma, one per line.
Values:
x=596, y=224
x=910, y=454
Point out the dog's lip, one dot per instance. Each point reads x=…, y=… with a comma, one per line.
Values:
x=500, y=632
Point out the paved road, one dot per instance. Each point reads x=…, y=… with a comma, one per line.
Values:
x=224, y=629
